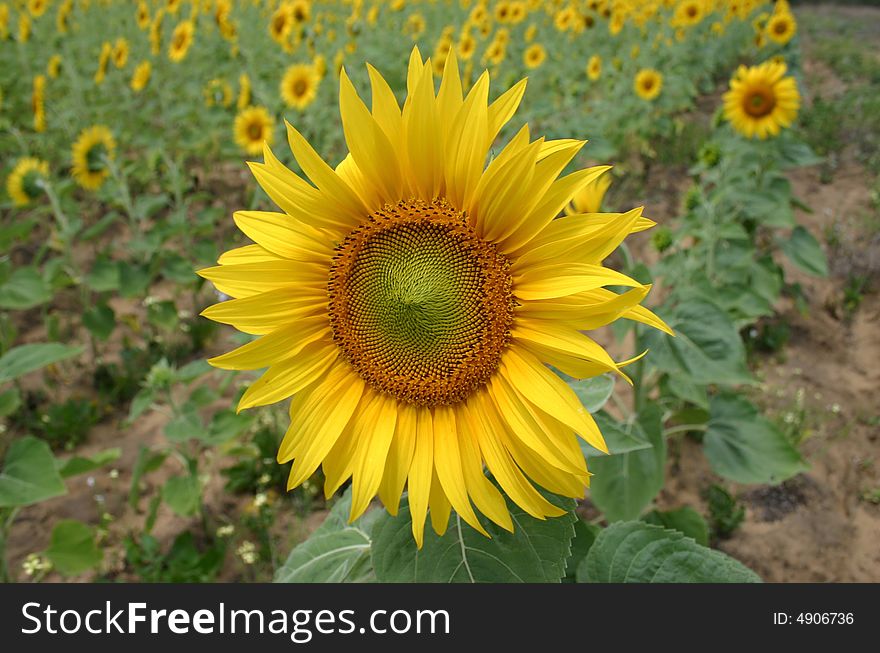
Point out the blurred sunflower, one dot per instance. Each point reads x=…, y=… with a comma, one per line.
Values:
x=495, y=52
x=299, y=86
x=761, y=100
x=244, y=92
x=141, y=76
x=181, y=40
x=120, y=52
x=467, y=44
x=281, y=24
x=648, y=83
x=103, y=60
x=22, y=185
x=90, y=153
x=62, y=18
x=53, y=66
x=38, y=103
x=450, y=286
x=24, y=28
x=301, y=11
x=142, y=15
x=252, y=128
x=534, y=56
x=217, y=92
x=781, y=27
x=37, y=7
x=594, y=67
x=689, y=13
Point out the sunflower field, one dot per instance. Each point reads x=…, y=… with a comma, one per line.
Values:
x=438, y=291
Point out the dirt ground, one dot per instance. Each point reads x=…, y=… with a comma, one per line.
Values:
x=818, y=527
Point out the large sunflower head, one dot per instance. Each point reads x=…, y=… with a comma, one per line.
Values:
x=253, y=127
x=781, y=27
x=91, y=153
x=181, y=40
x=299, y=85
x=761, y=100
x=23, y=183
x=410, y=299
x=648, y=83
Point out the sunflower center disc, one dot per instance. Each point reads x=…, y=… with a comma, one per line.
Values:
x=420, y=306
x=759, y=103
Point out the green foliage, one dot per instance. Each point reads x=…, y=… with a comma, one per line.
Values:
x=72, y=548
x=185, y=562
x=27, y=358
x=686, y=521
x=29, y=474
x=725, y=512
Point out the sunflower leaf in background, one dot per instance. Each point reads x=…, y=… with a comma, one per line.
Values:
x=594, y=392
x=636, y=552
x=72, y=548
x=29, y=474
x=804, y=251
x=28, y=358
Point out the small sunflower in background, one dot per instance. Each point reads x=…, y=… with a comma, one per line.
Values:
x=534, y=56
x=299, y=85
x=301, y=11
x=23, y=183
x=103, y=60
x=142, y=15
x=281, y=24
x=24, y=28
x=410, y=299
x=62, y=18
x=141, y=76
x=589, y=198
x=37, y=7
x=53, y=66
x=648, y=83
x=91, y=153
x=252, y=128
x=781, y=27
x=181, y=40
x=244, y=92
x=38, y=103
x=689, y=13
x=594, y=67
x=218, y=93
x=761, y=100
x=530, y=33
x=120, y=52
x=466, y=47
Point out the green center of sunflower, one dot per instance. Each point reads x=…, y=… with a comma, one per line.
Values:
x=96, y=157
x=30, y=184
x=420, y=306
x=759, y=103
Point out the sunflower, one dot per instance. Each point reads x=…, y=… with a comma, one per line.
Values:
x=218, y=93
x=648, y=83
x=141, y=76
x=142, y=16
x=244, y=92
x=495, y=52
x=103, y=60
x=301, y=11
x=24, y=28
x=530, y=33
x=23, y=185
x=120, y=52
x=534, y=56
x=253, y=127
x=181, y=40
x=589, y=198
x=91, y=151
x=299, y=86
x=63, y=16
x=467, y=44
x=689, y=13
x=53, y=66
x=37, y=7
x=781, y=27
x=409, y=299
x=761, y=100
x=38, y=99
x=594, y=67
x=281, y=24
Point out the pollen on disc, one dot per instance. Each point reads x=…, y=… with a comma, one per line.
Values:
x=419, y=305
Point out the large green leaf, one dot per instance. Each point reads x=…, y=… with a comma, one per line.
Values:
x=27, y=358
x=623, y=485
x=685, y=520
x=82, y=464
x=25, y=288
x=337, y=552
x=593, y=392
x=636, y=552
x=744, y=447
x=29, y=474
x=707, y=347
x=536, y=552
x=619, y=438
x=183, y=494
x=805, y=252
x=72, y=548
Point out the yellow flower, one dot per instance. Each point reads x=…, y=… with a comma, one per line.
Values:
x=181, y=40
x=410, y=300
x=781, y=28
x=90, y=154
x=531, y=31
x=648, y=83
x=414, y=26
x=103, y=60
x=301, y=11
x=689, y=13
x=253, y=127
x=594, y=67
x=761, y=100
x=120, y=53
x=467, y=45
x=142, y=15
x=24, y=28
x=63, y=16
x=37, y=7
x=38, y=103
x=141, y=76
x=244, y=92
x=534, y=56
x=217, y=92
x=53, y=66
x=495, y=52
x=23, y=183
x=299, y=86
x=281, y=24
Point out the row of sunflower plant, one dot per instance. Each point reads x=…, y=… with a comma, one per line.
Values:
x=167, y=84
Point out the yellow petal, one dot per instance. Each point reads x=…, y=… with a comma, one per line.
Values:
x=290, y=376
x=283, y=235
x=560, y=280
x=265, y=312
x=447, y=463
x=420, y=473
x=277, y=346
x=246, y=254
x=400, y=457
x=376, y=430
x=250, y=279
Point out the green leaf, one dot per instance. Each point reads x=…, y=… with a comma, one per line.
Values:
x=805, y=252
x=337, y=552
x=226, y=425
x=683, y=388
x=81, y=464
x=72, y=548
x=142, y=400
x=25, y=288
x=10, y=400
x=29, y=474
x=584, y=536
x=185, y=426
x=536, y=552
x=593, y=392
x=100, y=320
x=104, y=276
x=183, y=494
x=623, y=485
x=618, y=438
x=147, y=461
x=635, y=552
x=707, y=347
x=26, y=358
x=134, y=279
x=744, y=447
x=685, y=520
x=163, y=315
